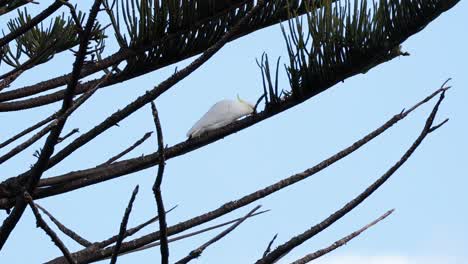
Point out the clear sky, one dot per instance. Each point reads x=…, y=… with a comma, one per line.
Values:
x=428, y=192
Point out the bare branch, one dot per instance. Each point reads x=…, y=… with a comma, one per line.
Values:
x=69, y=134
x=18, y=149
x=28, y=130
x=197, y=252
x=191, y=234
x=7, y=6
x=268, y=249
x=42, y=224
x=127, y=150
x=70, y=233
x=297, y=240
x=36, y=172
x=123, y=227
x=130, y=231
x=7, y=80
x=60, y=117
x=309, y=257
x=157, y=188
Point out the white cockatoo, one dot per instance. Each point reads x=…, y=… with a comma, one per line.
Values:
x=220, y=114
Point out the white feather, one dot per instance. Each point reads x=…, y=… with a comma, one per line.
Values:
x=220, y=114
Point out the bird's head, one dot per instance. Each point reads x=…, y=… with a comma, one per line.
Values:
x=249, y=107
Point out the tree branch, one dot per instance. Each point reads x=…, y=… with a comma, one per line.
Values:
x=296, y=241
x=130, y=232
x=268, y=249
x=60, y=117
x=123, y=227
x=36, y=172
x=7, y=80
x=70, y=233
x=42, y=224
x=317, y=254
x=191, y=234
x=157, y=188
x=28, y=130
x=127, y=150
x=7, y=6
x=69, y=134
x=197, y=252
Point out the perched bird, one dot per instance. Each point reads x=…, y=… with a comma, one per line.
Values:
x=220, y=114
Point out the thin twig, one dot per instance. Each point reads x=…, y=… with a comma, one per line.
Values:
x=191, y=234
x=28, y=130
x=123, y=226
x=42, y=224
x=21, y=147
x=73, y=131
x=67, y=231
x=268, y=249
x=127, y=150
x=7, y=6
x=197, y=252
x=157, y=188
x=309, y=257
x=299, y=239
x=131, y=231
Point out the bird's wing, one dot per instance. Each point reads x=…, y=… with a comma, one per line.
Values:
x=220, y=113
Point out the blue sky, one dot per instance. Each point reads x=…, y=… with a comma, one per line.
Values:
x=428, y=192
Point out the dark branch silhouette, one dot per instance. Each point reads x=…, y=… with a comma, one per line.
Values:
x=268, y=249
x=42, y=224
x=127, y=150
x=123, y=226
x=299, y=239
x=67, y=231
x=198, y=251
x=317, y=254
x=157, y=188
